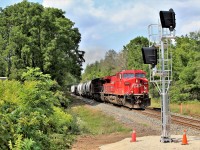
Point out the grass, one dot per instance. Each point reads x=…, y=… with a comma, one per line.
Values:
x=186, y=108
x=95, y=122
x=155, y=103
x=144, y=124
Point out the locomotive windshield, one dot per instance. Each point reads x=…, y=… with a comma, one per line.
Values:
x=128, y=75
x=132, y=75
x=140, y=75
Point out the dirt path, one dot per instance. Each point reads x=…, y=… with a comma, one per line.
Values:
x=94, y=142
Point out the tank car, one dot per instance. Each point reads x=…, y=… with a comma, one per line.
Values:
x=74, y=89
x=128, y=88
x=88, y=89
x=80, y=89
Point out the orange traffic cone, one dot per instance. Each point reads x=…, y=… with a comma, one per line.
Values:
x=184, y=140
x=133, y=139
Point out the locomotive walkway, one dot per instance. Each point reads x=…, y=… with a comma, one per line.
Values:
x=153, y=143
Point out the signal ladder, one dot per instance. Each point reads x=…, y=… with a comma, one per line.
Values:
x=161, y=74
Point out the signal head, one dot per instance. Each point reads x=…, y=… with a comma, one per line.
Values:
x=167, y=19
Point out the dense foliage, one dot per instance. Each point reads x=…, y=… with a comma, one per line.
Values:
x=31, y=117
x=186, y=65
x=34, y=36
x=186, y=71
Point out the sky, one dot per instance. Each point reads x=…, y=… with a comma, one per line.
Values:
x=111, y=24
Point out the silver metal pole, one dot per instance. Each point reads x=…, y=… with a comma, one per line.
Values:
x=165, y=137
x=163, y=74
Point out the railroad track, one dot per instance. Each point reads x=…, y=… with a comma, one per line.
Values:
x=180, y=120
x=155, y=113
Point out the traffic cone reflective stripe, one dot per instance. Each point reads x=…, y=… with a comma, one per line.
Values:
x=133, y=137
x=184, y=140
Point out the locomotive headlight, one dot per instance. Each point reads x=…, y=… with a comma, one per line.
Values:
x=136, y=81
x=126, y=83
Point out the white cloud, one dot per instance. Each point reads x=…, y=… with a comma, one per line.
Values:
x=102, y=23
x=190, y=27
x=62, y=4
x=94, y=53
x=133, y=16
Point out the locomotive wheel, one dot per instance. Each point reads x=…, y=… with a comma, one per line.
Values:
x=127, y=103
x=102, y=97
x=123, y=101
x=119, y=101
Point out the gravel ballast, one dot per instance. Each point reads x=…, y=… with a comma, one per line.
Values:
x=135, y=119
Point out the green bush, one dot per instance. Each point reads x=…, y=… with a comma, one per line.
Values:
x=29, y=118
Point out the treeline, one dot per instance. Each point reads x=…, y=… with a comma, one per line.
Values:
x=34, y=36
x=186, y=68
x=186, y=65
x=129, y=58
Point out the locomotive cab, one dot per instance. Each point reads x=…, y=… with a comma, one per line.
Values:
x=136, y=89
x=135, y=83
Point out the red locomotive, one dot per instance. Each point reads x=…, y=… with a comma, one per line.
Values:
x=128, y=88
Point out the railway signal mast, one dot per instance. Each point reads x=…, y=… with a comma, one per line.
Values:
x=159, y=55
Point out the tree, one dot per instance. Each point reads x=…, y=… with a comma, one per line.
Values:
x=34, y=36
x=186, y=68
x=109, y=64
x=134, y=54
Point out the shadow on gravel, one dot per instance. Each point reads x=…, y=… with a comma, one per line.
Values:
x=80, y=101
x=141, y=109
x=157, y=109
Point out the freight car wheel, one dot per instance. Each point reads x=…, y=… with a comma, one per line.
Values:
x=102, y=97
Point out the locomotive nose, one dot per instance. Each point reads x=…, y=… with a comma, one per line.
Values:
x=140, y=86
x=144, y=85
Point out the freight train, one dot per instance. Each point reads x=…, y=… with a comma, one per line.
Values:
x=127, y=88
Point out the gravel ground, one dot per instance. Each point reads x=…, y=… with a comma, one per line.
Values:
x=135, y=119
